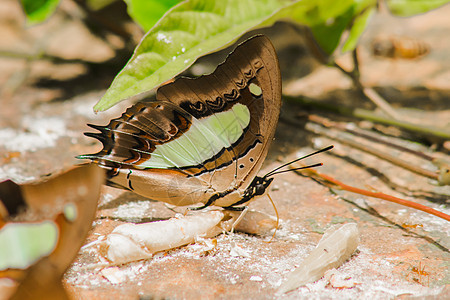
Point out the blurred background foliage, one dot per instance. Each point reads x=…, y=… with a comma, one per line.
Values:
x=179, y=32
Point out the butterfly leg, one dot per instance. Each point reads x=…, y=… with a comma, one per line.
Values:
x=234, y=206
x=239, y=219
x=212, y=199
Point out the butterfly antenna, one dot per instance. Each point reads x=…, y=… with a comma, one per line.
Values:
x=278, y=218
x=274, y=171
x=299, y=168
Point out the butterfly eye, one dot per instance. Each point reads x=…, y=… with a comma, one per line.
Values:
x=255, y=90
x=260, y=189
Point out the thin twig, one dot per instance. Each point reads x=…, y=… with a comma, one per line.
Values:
x=392, y=159
x=340, y=126
x=380, y=102
x=370, y=93
x=364, y=114
x=375, y=152
x=355, y=60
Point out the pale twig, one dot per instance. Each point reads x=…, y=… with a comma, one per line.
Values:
x=364, y=114
x=390, y=158
x=364, y=134
x=370, y=93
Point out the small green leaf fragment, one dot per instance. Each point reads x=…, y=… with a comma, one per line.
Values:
x=22, y=244
x=359, y=25
x=38, y=11
x=329, y=34
x=407, y=8
x=147, y=12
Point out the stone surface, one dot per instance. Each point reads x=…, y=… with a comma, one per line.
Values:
x=41, y=131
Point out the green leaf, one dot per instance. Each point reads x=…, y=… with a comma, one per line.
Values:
x=407, y=8
x=181, y=36
x=359, y=25
x=187, y=31
x=24, y=243
x=329, y=19
x=147, y=12
x=329, y=34
x=38, y=11
x=98, y=4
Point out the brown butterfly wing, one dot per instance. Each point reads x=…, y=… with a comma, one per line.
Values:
x=216, y=162
x=131, y=139
x=254, y=62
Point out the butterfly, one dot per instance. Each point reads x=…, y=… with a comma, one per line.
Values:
x=202, y=140
x=42, y=227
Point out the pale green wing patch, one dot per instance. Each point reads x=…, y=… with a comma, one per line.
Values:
x=229, y=126
x=206, y=138
x=22, y=244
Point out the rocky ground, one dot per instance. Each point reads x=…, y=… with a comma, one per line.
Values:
x=46, y=105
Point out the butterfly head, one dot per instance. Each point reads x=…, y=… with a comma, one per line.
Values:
x=258, y=187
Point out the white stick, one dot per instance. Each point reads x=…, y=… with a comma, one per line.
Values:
x=130, y=242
